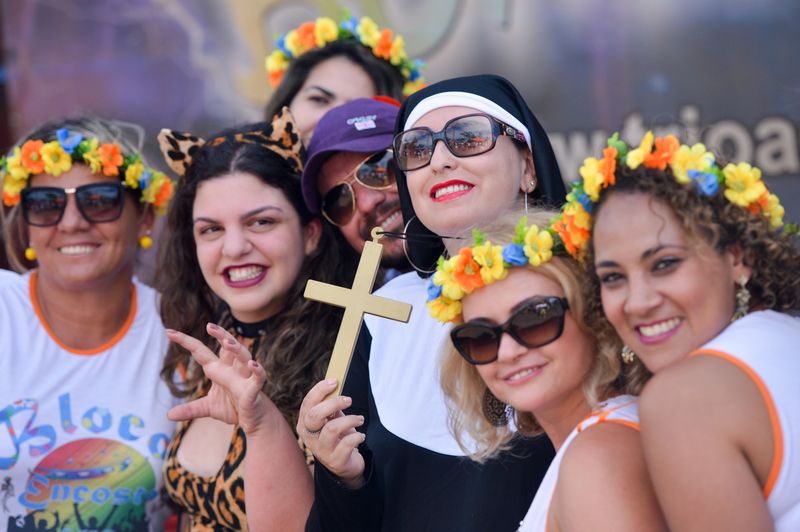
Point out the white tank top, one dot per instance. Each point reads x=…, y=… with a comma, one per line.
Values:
x=623, y=409
x=765, y=345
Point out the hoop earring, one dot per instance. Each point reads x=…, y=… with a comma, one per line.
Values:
x=627, y=355
x=405, y=248
x=742, y=299
x=30, y=253
x=494, y=410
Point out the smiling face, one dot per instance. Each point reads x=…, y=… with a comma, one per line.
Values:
x=452, y=195
x=331, y=83
x=373, y=207
x=665, y=294
x=250, y=243
x=547, y=380
x=76, y=254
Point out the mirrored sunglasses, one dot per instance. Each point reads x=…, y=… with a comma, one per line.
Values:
x=376, y=172
x=464, y=136
x=97, y=202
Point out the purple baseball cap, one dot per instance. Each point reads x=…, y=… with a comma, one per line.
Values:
x=364, y=125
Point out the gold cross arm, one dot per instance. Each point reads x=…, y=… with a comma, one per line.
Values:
x=356, y=301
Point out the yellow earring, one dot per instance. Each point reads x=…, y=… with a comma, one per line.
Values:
x=30, y=253
x=146, y=242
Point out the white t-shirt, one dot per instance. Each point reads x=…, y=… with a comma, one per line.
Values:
x=82, y=433
x=764, y=345
x=623, y=409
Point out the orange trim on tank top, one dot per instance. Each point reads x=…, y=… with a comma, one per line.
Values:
x=105, y=346
x=777, y=433
x=603, y=415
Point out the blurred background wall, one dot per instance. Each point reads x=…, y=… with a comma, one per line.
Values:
x=725, y=72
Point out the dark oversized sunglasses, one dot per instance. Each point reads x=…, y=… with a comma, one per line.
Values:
x=375, y=172
x=97, y=202
x=537, y=322
x=464, y=136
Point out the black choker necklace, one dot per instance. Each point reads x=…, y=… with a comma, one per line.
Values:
x=251, y=330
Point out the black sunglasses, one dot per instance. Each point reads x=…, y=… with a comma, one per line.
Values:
x=537, y=322
x=97, y=202
x=464, y=136
x=376, y=172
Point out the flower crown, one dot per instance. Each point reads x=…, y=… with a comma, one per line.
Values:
x=693, y=166
x=56, y=157
x=483, y=263
x=318, y=33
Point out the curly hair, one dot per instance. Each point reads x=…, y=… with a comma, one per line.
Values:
x=464, y=388
x=130, y=138
x=296, y=356
x=772, y=255
x=387, y=79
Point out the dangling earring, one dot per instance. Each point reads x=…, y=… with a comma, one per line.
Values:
x=627, y=355
x=742, y=299
x=526, y=203
x=405, y=248
x=494, y=410
x=30, y=253
x=145, y=242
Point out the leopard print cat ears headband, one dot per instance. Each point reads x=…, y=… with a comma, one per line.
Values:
x=280, y=136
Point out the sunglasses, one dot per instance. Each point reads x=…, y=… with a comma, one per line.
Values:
x=537, y=322
x=97, y=202
x=376, y=172
x=464, y=136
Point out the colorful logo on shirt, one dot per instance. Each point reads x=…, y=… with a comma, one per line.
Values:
x=91, y=484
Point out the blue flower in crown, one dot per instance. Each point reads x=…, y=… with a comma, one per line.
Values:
x=144, y=179
x=706, y=183
x=584, y=199
x=68, y=142
x=280, y=43
x=434, y=290
x=349, y=25
x=514, y=254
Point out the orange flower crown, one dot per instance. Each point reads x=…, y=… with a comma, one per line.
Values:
x=692, y=166
x=317, y=33
x=56, y=157
x=483, y=263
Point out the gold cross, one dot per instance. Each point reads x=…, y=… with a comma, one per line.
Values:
x=356, y=302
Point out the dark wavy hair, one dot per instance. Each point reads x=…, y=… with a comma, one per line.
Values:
x=297, y=353
x=388, y=79
x=130, y=138
x=773, y=255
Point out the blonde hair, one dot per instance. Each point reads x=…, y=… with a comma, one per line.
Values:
x=464, y=388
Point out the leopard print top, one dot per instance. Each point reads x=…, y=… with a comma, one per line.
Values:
x=215, y=503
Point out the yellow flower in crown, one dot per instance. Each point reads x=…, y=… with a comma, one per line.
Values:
x=133, y=173
x=56, y=160
x=325, y=31
x=774, y=211
x=398, y=52
x=368, y=31
x=92, y=156
x=743, y=184
x=598, y=174
x=15, y=168
x=490, y=259
x=538, y=245
x=444, y=310
x=694, y=158
x=636, y=156
x=445, y=280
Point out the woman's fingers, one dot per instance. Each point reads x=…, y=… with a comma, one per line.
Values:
x=191, y=410
x=317, y=416
x=202, y=354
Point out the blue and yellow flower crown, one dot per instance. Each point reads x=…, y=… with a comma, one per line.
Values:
x=483, y=263
x=692, y=166
x=56, y=157
x=317, y=33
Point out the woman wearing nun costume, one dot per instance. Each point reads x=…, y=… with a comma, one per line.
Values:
x=386, y=459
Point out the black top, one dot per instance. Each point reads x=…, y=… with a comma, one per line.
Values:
x=410, y=488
